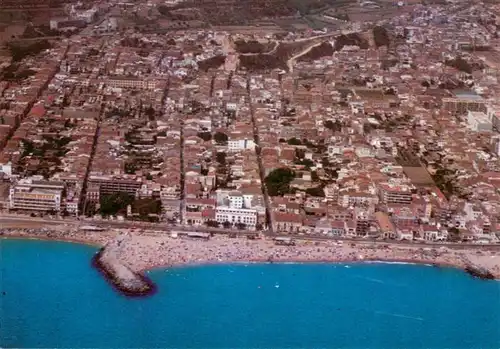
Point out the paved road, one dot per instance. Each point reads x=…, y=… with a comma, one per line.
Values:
x=262, y=170
x=292, y=59
x=25, y=222
x=393, y=242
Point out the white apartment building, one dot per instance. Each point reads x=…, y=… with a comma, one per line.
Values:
x=472, y=212
x=493, y=115
x=131, y=82
x=494, y=143
x=356, y=198
x=382, y=142
x=235, y=216
x=335, y=150
x=240, y=144
x=364, y=152
x=395, y=194
x=235, y=207
x=87, y=15
x=36, y=195
x=115, y=184
x=234, y=199
x=478, y=122
x=6, y=168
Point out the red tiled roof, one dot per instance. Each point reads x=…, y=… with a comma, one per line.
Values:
x=288, y=217
x=208, y=213
x=38, y=111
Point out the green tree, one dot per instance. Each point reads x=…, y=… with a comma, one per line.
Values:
x=460, y=64
x=334, y=126
x=381, y=36
x=130, y=168
x=150, y=113
x=115, y=203
x=19, y=51
x=221, y=158
x=206, y=136
x=221, y=138
x=300, y=153
x=316, y=191
x=278, y=181
x=308, y=163
x=314, y=176
x=294, y=141
x=367, y=128
x=212, y=224
x=28, y=147
x=454, y=234
x=146, y=206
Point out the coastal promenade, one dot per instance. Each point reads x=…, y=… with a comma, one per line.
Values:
x=13, y=221
x=23, y=222
x=144, y=251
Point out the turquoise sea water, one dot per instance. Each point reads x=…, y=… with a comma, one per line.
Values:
x=51, y=297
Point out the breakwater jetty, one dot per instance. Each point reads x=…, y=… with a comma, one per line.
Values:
x=475, y=270
x=121, y=277
x=479, y=272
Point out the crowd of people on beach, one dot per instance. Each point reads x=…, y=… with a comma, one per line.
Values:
x=145, y=250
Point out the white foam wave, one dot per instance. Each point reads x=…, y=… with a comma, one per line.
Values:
x=374, y=280
x=395, y=262
x=418, y=318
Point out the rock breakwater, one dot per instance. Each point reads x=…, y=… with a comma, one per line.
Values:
x=121, y=277
x=479, y=272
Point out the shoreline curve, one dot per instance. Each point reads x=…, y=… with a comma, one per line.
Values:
x=143, y=271
x=298, y=261
x=54, y=239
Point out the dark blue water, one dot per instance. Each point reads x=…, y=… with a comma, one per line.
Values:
x=54, y=299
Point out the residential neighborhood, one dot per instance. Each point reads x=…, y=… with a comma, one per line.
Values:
x=385, y=130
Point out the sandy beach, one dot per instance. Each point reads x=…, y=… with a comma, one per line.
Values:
x=141, y=252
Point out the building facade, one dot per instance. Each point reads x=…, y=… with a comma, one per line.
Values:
x=395, y=194
x=33, y=195
x=235, y=216
x=112, y=185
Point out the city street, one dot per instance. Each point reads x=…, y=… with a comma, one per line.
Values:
x=12, y=221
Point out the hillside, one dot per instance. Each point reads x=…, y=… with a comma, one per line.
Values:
x=323, y=50
x=252, y=46
x=381, y=36
x=349, y=40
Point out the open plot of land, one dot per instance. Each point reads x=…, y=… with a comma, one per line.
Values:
x=249, y=30
x=11, y=31
x=253, y=46
x=365, y=93
x=323, y=50
x=320, y=22
x=418, y=175
x=292, y=24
